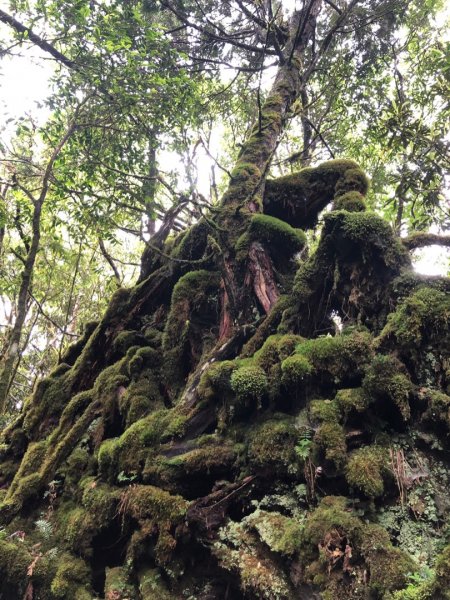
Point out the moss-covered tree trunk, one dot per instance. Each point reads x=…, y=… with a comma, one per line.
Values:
x=219, y=434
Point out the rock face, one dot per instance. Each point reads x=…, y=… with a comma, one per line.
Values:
x=297, y=449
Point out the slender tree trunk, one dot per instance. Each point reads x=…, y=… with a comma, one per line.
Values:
x=12, y=352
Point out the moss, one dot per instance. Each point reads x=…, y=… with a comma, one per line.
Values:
x=276, y=348
x=286, y=196
x=351, y=400
x=191, y=244
x=80, y=528
x=341, y=355
x=249, y=382
x=281, y=534
x=157, y=507
x=441, y=582
x=214, y=458
x=100, y=500
x=139, y=441
x=14, y=562
x=330, y=439
x=72, y=579
x=333, y=513
x=280, y=238
x=350, y=201
x=389, y=566
x=369, y=231
x=365, y=468
x=240, y=551
x=60, y=370
x=324, y=411
x=126, y=339
x=142, y=359
x=438, y=409
x=50, y=396
x=108, y=457
x=216, y=379
x=188, y=296
x=420, y=318
x=352, y=180
x=117, y=586
x=295, y=369
x=141, y=396
x=30, y=464
x=272, y=444
x=245, y=179
x=385, y=379
x=152, y=586
x=149, y=502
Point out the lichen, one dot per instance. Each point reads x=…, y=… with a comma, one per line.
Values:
x=281, y=534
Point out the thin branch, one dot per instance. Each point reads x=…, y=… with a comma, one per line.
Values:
x=29, y=34
x=109, y=260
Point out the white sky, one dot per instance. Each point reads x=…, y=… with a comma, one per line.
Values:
x=24, y=85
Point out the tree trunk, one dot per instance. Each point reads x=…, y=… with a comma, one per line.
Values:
x=12, y=352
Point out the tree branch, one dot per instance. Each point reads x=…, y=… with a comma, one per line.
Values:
x=36, y=39
x=419, y=240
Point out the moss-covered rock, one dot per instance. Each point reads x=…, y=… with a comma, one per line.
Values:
x=365, y=469
x=330, y=440
x=281, y=534
x=14, y=562
x=386, y=380
x=249, y=382
x=324, y=410
x=351, y=401
x=72, y=579
x=272, y=445
x=295, y=369
x=389, y=566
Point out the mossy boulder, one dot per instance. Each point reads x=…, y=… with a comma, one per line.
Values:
x=295, y=369
x=386, y=380
x=272, y=445
x=365, y=469
x=330, y=440
x=72, y=579
x=249, y=382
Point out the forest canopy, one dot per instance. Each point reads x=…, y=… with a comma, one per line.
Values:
x=220, y=375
